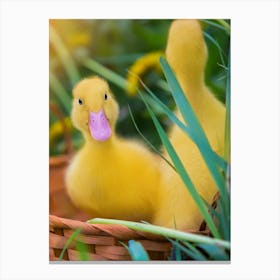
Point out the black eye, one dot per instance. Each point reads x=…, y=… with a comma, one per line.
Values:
x=80, y=101
x=105, y=96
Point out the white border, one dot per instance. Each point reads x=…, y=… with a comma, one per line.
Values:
x=24, y=138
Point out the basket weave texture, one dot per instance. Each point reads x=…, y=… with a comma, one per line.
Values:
x=103, y=241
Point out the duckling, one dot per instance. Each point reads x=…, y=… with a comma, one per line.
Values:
x=186, y=52
x=109, y=177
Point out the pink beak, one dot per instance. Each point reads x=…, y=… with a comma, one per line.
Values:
x=99, y=126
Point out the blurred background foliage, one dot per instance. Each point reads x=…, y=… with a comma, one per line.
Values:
x=122, y=46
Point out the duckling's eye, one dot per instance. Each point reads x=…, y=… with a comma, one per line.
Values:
x=105, y=96
x=80, y=101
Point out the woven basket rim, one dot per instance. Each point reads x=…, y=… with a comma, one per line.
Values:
x=120, y=232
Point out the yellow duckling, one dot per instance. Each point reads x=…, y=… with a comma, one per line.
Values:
x=186, y=53
x=109, y=177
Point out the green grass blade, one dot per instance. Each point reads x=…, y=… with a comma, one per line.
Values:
x=214, y=24
x=214, y=252
x=156, y=107
x=223, y=23
x=163, y=85
x=170, y=233
x=191, y=250
x=182, y=172
x=105, y=73
x=178, y=254
x=147, y=141
x=227, y=126
x=65, y=57
x=82, y=250
x=224, y=222
x=199, y=255
x=187, y=251
x=69, y=241
x=228, y=214
x=220, y=161
x=226, y=204
x=214, y=41
x=212, y=211
x=137, y=251
x=60, y=93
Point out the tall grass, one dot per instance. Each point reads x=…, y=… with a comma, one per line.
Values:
x=64, y=56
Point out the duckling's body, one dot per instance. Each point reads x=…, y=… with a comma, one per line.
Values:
x=111, y=177
x=187, y=54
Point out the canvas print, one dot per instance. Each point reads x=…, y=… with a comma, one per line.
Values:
x=139, y=140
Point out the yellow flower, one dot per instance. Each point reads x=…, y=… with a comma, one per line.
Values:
x=140, y=67
x=57, y=130
x=78, y=39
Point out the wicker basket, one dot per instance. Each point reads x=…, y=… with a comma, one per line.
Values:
x=103, y=241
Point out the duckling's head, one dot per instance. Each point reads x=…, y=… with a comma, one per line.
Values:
x=186, y=51
x=95, y=110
